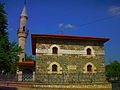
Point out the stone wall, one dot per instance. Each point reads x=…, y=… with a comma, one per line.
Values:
x=72, y=61
x=43, y=62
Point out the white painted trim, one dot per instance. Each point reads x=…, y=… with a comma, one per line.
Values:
x=33, y=75
x=59, y=71
x=62, y=51
x=93, y=68
x=19, y=73
x=43, y=51
x=55, y=46
x=92, y=50
x=72, y=51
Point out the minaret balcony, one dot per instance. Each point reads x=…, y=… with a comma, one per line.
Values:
x=22, y=34
x=27, y=31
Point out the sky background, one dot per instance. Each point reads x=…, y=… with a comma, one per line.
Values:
x=95, y=18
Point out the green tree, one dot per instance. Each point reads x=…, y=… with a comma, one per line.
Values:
x=3, y=21
x=8, y=51
x=28, y=58
x=113, y=71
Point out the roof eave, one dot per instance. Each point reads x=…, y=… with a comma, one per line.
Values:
x=34, y=36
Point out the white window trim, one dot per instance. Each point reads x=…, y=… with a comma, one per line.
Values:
x=59, y=69
x=92, y=51
x=93, y=68
x=51, y=49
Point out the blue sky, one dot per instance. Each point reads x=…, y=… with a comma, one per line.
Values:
x=95, y=18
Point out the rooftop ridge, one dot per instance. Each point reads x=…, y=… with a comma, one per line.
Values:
x=59, y=35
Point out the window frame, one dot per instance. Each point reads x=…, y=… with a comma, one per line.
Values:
x=54, y=50
x=89, y=51
x=93, y=68
x=89, y=69
x=54, y=68
x=92, y=51
x=59, y=68
x=58, y=49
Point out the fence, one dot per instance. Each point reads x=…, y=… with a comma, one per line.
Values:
x=68, y=78
x=64, y=78
x=8, y=77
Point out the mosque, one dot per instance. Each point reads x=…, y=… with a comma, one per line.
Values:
x=61, y=58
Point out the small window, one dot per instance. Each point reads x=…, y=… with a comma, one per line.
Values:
x=54, y=68
x=23, y=28
x=89, y=68
x=22, y=59
x=55, y=50
x=89, y=51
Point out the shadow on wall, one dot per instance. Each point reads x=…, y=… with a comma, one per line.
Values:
x=7, y=88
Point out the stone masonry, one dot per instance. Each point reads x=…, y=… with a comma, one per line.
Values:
x=71, y=59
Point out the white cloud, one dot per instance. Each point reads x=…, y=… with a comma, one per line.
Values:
x=115, y=10
x=69, y=26
x=60, y=25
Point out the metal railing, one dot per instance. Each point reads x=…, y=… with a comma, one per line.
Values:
x=63, y=78
x=8, y=77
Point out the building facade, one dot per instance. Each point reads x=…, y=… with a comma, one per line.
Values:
x=68, y=59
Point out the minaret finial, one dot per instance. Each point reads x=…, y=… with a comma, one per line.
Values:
x=24, y=12
x=25, y=2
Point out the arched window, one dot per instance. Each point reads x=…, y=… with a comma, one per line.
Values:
x=23, y=28
x=54, y=68
x=54, y=50
x=89, y=68
x=89, y=51
x=23, y=59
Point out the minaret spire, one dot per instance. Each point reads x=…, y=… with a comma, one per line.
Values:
x=24, y=11
x=23, y=32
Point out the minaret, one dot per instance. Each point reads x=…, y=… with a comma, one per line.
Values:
x=22, y=33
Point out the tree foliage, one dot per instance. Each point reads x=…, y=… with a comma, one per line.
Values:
x=28, y=58
x=3, y=21
x=8, y=51
x=113, y=71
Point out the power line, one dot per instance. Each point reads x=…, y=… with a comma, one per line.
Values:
x=98, y=20
x=92, y=22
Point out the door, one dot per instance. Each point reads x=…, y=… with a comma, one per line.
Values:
x=27, y=75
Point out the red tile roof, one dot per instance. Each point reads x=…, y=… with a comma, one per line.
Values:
x=34, y=36
x=26, y=62
x=65, y=36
